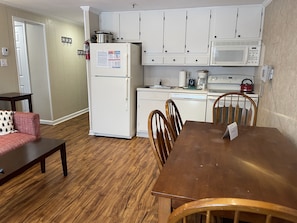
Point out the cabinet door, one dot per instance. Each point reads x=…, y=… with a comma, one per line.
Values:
x=151, y=26
x=148, y=101
x=129, y=26
x=224, y=22
x=174, y=31
x=249, y=22
x=197, y=34
x=109, y=22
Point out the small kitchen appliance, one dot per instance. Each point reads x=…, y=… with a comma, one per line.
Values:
x=191, y=83
x=103, y=37
x=202, y=79
x=247, y=85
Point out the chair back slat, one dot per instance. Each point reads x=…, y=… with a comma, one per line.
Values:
x=235, y=107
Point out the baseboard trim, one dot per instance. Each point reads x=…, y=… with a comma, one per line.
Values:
x=63, y=119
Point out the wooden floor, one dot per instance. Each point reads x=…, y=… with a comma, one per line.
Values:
x=109, y=181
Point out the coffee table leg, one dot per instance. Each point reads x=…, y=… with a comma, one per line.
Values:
x=63, y=159
x=42, y=165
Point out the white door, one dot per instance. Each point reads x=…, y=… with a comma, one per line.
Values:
x=31, y=57
x=22, y=62
x=110, y=99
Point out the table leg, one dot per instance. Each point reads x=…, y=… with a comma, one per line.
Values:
x=42, y=165
x=164, y=209
x=63, y=159
x=13, y=107
x=30, y=104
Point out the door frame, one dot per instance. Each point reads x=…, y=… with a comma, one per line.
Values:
x=26, y=21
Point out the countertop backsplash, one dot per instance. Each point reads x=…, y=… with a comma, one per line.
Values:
x=169, y=75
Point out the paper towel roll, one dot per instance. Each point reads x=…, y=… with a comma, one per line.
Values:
x=182, y=78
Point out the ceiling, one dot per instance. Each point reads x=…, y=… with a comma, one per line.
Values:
x=70, y=9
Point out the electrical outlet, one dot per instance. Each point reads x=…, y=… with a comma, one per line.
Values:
x=3, y=63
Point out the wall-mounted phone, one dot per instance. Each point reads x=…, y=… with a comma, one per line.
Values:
x=267, y=73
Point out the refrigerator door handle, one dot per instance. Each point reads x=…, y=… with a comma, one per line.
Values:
x=127, y=83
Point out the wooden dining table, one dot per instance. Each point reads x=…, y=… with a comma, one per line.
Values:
x=259, y=164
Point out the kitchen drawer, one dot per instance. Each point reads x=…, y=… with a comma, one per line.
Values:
x=197, y=60
x=150, y=95
x=174, y=59
x=148, y=59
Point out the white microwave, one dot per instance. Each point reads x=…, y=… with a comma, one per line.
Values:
x=235, y=53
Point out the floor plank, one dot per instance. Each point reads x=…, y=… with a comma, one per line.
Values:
x=109, y=180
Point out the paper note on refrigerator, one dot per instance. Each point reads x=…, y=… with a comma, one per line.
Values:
x=109, y=59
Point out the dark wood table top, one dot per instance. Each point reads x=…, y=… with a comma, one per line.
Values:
x=12, y=95
x=259, y=164
x=18, y=160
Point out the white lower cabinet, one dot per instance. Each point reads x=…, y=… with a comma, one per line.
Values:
x=148, y=101
x=191, y=105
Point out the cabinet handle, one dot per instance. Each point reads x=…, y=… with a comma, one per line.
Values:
x=165, y=51
x=188, y=51
x=173, y=59
x=196, y=60
x=215, y=36
x=122, y=38
x=153, y=60
x=144, y=51
x=238, y=35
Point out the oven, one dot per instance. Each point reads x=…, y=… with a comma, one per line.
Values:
x=221, y=84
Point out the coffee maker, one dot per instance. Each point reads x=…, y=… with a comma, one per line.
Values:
x=202, y=79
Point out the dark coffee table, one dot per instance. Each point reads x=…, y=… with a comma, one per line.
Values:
x=17, y=161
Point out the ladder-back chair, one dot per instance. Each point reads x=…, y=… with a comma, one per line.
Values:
x=235, y=107
x=161, y=136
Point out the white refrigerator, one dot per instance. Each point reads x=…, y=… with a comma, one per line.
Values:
x=116, y=72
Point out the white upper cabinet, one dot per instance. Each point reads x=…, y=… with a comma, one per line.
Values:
x=174, y=31
x=224, y=22
x=197, y=33
x=151, y=31
x=123, y=25
x=236, y=22
x=249, y=23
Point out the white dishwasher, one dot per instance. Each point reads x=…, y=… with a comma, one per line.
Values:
x=191, y=106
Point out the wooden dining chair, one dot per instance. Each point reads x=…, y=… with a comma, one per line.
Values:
x=173, y=116
x=235, y=107
x=161, y=136
x=233, y=210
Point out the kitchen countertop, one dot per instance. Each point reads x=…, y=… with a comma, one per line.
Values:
x=184, y=90
x=173, y=90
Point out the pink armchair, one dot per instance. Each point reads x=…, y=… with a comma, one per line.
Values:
x=27, y=125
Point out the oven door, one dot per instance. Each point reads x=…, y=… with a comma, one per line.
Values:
x=229, y=55
x=209, y=105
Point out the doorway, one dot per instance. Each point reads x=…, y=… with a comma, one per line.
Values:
x=32, y=66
